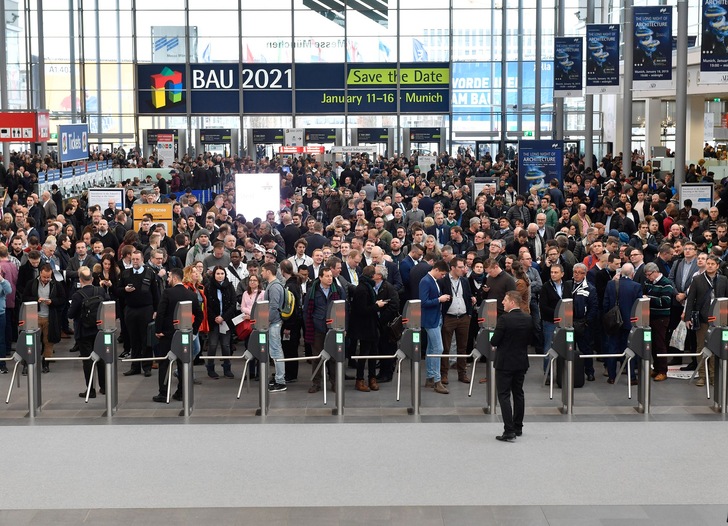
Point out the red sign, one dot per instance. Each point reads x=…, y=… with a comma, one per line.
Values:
x=301, y=149
x=24, y=126
x=724, y=120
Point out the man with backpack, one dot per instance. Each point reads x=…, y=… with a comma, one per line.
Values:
x=85, y=303
x=275, y=294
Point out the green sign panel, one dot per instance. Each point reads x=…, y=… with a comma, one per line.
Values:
x=185, y=339
x=339, y=337
x=648, y=336
x=725, y=336
x=261, y=338
x=415, y=337
x=570, y=336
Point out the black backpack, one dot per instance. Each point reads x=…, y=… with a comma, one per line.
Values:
x=90, y=308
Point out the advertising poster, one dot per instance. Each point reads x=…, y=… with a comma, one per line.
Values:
x=602, y=59
x=714, y=44
x=652, y=47
x=165, y=148
x=538, y=163
x=73, y=140
x=568, y=62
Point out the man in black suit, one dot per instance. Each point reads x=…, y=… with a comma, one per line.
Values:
x=512, y=336
x=164, y=327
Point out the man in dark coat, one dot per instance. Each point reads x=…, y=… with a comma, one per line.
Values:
x=164, y=327
x=50, y=296
x=512, y=336
x=385, y=291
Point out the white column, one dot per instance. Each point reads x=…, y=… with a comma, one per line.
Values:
x=653, y=130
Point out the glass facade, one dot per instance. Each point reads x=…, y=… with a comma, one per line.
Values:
x=88, y=51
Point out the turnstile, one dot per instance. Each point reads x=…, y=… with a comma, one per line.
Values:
x=716, y=343
x=258, y=349
x=487, y=318
x=334, y=349
x=27, y=352
x=565, y=347
x=410, y=347
x=639, y=343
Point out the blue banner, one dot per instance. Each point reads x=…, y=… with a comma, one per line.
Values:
x=602, y=58
x=652, y=46
x=714, y=44
x=72, y=142
x=568, y=62
x=538, y=163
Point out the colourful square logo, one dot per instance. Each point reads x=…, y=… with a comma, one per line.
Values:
x=167, y=83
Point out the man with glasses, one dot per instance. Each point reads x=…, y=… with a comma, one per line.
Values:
x=661, y=291
x=681, y=275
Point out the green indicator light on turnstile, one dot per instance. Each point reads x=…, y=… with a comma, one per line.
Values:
x=107, y=339
x=648, y=336
x=185, y=339
x=725, y=336
x=339, y=337
x=28, y=339
x=569, y=337
x=261, y=338
x=415, y=337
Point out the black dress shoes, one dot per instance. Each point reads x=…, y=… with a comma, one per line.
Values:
x=506, y=437
x=177, y=396
x=92, y=394
x=131, y=372
x=590, y=378
x=147, y=374
x=519, y=433
x=689, y=367
x=162, y=399
x=383, y=379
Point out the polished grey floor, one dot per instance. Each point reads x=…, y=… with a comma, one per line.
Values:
x=605, y=464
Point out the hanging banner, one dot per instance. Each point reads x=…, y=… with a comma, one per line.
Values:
x=652, y=47
x=568, y=61
x=538, y=163
x=714, y=44
x=708, y=125
x=73, y=139
x=602, y=59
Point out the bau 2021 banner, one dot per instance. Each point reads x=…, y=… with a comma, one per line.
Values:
x=270, y=89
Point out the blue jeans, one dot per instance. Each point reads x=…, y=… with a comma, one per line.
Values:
x=275, y=349
x=3, y=342
x=434, y=346
x=548, y=338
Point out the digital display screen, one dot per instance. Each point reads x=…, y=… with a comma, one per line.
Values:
x=339, y=337
x=415, y=337
x=648, y=336
x=28, y=339
x=569, y=336
x=107, y=339
x=261, y=338
x=725, y=336
x=185, y=339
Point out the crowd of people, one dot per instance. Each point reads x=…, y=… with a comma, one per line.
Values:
x=374, y=232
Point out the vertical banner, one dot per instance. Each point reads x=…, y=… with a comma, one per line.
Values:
x=602, y=59
x=652, y=47
x=714, y=44
x=568, y=62
x=73, y=141
x=708, y=125
x=165, y=148
x=538, y=163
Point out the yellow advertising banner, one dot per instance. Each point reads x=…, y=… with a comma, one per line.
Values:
x=161, y=213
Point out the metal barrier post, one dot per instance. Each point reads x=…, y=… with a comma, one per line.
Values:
x=258, y=348
x=334, y=349
x=487, y=317
x=640, y=343
x=104, y=350
x=564, y=346
x=410, y=347
x=716, y=343
x=27, y=350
